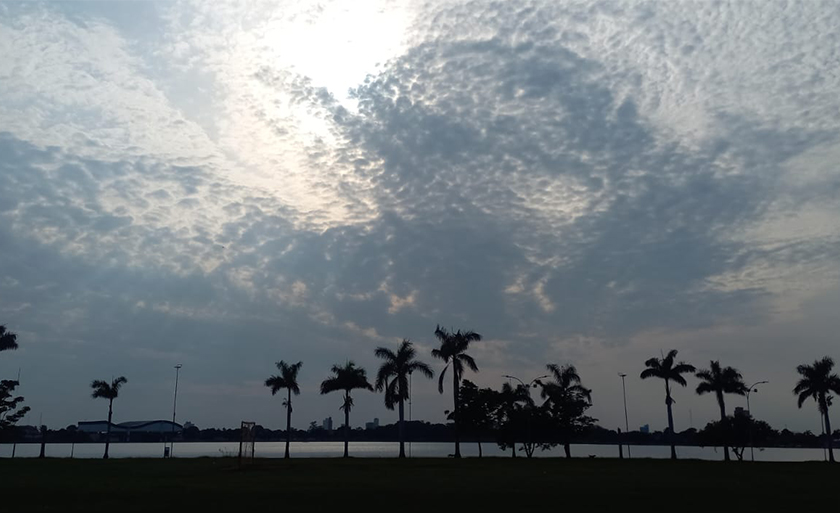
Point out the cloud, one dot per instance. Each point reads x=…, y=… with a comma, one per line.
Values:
x=577, y=181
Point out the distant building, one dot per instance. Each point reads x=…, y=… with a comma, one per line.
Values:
x=644, y=429
x=739, y=411
x=372, y=425
x=125, y=429
x=327, y=424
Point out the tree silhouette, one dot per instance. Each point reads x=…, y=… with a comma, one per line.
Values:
x=110, y=391
x=511, y=413
x=818, y=381
x=721, y=381
x=453, y=351
x=664, y=368
x=288, y=380
x=477, y=410
x=9, y=403
x=8, y=340
x=347, y=378
x=393, y=379
x=567, y=400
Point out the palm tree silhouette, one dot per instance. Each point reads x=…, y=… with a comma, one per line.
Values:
x=664, y=368
x=8, y=340
x=453, y=347
x=393, y=378
x=818, y=382
x=288, y=380
x=721, y=381
x=347, y=378
x=110, y=391
x=565, y=393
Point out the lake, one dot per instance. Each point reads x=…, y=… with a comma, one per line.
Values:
x=384, y=450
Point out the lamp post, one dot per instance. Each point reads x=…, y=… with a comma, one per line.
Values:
x=626, y=422
x=528, y=388
x=749, y=413
x=174, y=405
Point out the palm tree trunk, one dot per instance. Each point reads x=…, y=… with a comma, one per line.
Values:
x=455, y=408
x=670, y=421
x=725, y=431
x=346, y=424
x=479, y=448
x=513, y=450
x=828, y=435
x=108, y=431
x=568, y=449
x=402, y=428
x=288, y=422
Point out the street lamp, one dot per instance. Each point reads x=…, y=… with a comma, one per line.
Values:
x=626, y=422
x=749, y=413
x=528, y=388
x=174, y=405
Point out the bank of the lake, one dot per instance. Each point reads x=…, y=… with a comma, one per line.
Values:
x=431, y=484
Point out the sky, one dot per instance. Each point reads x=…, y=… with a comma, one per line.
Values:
x=228, y=184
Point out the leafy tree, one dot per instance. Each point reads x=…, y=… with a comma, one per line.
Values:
x=110, y=391
x=818, y=381
x=721, y=381
x=477, y=410
x=735, y=430
x=8, y=340
x=346, y=378
x=9, y=412
x=566, y=402
x=286, y=380
x=512, y=410
x=453, y=351
x=393, y=378
x=666, y=369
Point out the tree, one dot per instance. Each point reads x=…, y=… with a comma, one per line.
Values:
x=818, y=382
x=513, y=405
x=566, y=400
x=110, y=391
x=8, y=340
x=393, y=378
x=477, y=410
x=721, y=381
x=453, y=351
x=288, y=380
x=8, y=402
x=347, y=378
x=664, y=368
x=736, y=430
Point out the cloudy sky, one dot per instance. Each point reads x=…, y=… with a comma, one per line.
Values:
x=224, y=185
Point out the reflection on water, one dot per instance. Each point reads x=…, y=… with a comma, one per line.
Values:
x=382, y=450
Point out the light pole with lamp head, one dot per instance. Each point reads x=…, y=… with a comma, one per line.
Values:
x=749, y=413
x=626, y=422
x=174, y=405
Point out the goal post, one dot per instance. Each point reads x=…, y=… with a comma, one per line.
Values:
x=247, y=438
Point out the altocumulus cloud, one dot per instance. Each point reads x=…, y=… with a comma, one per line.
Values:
x=586, y=181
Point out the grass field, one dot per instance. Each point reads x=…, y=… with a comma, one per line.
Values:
x=490, y=484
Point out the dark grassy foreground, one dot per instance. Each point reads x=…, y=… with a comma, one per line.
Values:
x=489, y=484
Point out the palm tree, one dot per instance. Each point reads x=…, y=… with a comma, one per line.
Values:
x=347, y=378
x=566, y=395
x=721, y=381
x=108, y=391
x=453, y=347
x=664, y=368
x=818, y=382
x=288, y=380
x=8, y=340
x=393, y=378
